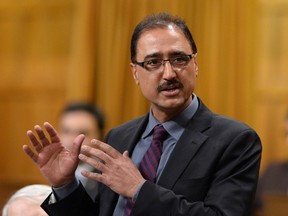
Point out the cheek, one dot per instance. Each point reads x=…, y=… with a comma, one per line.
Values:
x=148, y=86
x=189, y=80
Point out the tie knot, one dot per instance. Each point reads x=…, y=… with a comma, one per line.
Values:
x=159, y=133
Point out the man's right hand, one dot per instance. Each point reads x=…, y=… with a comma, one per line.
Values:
x=56, y=163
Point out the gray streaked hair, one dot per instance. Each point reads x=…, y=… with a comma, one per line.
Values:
x=36, y=192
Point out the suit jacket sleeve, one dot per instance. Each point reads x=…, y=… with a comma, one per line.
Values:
x=78, y=203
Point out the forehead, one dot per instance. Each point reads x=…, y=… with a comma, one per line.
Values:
x=162, y=41
x=78, y=118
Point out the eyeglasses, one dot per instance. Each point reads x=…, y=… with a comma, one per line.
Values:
x=178, y=63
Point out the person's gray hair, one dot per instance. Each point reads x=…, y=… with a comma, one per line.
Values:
x=36, y=192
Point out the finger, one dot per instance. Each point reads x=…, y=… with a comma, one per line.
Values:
x=96, y=154
x=34, y=142
x=109, y=150
x=30, y=153
x=52, y=132
x=93, y=162
x=92, y=175
x=41, y=135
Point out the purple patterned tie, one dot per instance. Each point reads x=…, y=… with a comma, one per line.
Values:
x=149, y=164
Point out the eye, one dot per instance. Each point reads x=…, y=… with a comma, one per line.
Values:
x=153, y=62
x=180, y=60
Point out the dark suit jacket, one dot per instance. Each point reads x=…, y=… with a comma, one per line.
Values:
x=213, y=170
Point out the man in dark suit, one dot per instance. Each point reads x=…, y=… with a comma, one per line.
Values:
x=209, y=163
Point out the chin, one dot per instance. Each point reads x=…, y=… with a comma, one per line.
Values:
x=172, y=105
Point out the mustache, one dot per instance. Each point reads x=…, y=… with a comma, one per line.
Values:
x=170, y=85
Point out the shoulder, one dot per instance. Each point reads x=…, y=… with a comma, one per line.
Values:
x=219, y=123
x=230, y=124
x=225, y=133
x=234, y=132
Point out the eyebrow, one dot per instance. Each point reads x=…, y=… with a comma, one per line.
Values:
x=160, y=55
x=153, y=55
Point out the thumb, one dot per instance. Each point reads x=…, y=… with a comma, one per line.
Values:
x=77, y=145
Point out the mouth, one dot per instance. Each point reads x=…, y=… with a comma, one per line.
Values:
x=170, y=89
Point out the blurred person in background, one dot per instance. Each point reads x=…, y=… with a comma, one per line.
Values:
x=82, y=118
x=274, y=180
x=27, y=200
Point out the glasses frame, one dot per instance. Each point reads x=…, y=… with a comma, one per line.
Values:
x=170, y=60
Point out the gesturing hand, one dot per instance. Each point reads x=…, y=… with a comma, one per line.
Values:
x=56, y=163
x=118, y=171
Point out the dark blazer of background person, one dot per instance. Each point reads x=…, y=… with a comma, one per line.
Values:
x=214, y=157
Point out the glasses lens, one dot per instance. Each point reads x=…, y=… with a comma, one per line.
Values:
x=152, y=64
x=180, y=61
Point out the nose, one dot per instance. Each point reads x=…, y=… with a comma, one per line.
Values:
x=168, y=71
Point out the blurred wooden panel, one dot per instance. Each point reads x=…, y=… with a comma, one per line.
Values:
x=271, y=86
x=20, y=112
x=34, y=62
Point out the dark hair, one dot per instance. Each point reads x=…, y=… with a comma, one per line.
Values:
x=89, y=108
x=161, y=20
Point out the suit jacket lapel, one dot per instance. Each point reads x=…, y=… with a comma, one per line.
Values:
x=187, y=146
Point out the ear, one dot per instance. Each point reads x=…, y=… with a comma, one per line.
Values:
x=195, y=66
x=134, y=73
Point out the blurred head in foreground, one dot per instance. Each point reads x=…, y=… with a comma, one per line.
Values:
x=27, y=201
